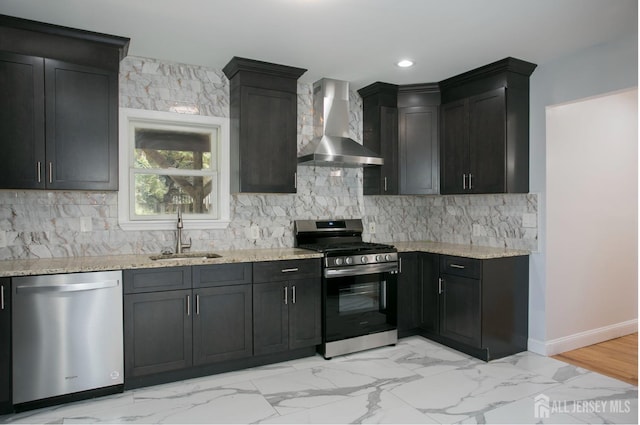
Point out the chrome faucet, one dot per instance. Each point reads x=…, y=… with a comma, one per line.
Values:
x=180, y=246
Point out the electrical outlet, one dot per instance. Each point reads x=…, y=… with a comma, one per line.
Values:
x=529, y=220
x=85, y=224
x=255, y=232
x=372, y=227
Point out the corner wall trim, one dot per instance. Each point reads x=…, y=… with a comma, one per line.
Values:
x=582, y=339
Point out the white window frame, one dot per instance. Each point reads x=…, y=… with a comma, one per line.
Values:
x=126, y=193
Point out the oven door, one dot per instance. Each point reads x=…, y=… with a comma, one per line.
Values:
x=359, y=300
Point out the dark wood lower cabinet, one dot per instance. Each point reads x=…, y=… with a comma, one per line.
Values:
x=158, y=332
x=286, y=315
x=430, y=292
x=476, y=306
x=305, y=315
x=184, y=322
x=409, y=307
x=222, y=324
x=270, y=317
x=5, y=346
x=460, y=310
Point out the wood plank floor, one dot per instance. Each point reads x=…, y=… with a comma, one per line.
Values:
x=617, y=358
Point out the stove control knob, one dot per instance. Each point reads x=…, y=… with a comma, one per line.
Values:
x=348, y=260
x=363, y=259
x=378, y=258
x=387, y=257
x=338, y=261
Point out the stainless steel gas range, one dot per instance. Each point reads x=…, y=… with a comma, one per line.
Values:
x=359, y=286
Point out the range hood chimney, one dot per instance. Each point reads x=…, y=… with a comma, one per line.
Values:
x=331, y=145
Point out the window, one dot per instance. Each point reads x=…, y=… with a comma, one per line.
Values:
x=171, y=161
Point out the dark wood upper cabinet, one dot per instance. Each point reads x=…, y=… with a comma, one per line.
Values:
x=263, y=111
x=380, y=134
x=484, y=144
x=401, y=123
x=81, y=129
x=58, y=106
x=21, y=120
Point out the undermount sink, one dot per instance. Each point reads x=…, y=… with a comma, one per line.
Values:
x=184, y=256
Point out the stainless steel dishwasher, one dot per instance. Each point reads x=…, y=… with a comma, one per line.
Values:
x=67, y=334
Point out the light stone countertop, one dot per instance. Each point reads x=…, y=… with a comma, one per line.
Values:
x=459, y=250
x=40, y=266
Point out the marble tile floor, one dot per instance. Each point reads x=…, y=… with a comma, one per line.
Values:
x=416, y=381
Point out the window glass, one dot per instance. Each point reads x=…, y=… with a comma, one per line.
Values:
x=172, y=149
x=160, y=194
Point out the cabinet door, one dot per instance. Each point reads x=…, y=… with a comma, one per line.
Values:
x=305, y=317
x=5, y=346
x=21, y=121
x=408, y=293
x=389, y=150
x=268, y=142
x=270, y=318
x=418, y=146
x=460, y=310
x=454, y=148
x=430, y=292
x=157, y=332
x=487, y=142
x=81, y=127
x=222, y=328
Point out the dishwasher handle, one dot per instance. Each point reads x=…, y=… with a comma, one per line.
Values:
x=68, y=287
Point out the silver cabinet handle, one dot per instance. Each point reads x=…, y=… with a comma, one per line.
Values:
x=188, y=305
x=293, y=294
x=470, y=184
x=39, y=171
x=400, y=265
x=440, y=285
x=1, y=297
x=50, y=172
x=293, y=270
x=385, y=184
x=295, y=180
x=197, y=305
x=285, y=295
x=464, y=182
x=456, y=266
x=65, y=287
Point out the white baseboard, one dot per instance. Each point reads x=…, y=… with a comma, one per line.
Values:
x=582, y=339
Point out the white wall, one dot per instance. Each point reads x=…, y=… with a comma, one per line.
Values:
x=588, y=72
x=591, y=220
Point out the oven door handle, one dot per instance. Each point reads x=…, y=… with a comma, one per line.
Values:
x=362, y=270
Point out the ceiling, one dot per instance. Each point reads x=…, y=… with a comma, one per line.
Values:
x=354, y=40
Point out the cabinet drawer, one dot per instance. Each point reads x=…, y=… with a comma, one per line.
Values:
x=460, y=266
x=274, y=271
x=221, y=275
x=153, y=280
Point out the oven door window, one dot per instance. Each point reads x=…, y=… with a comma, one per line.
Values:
x=361, y=297
x=358, y=305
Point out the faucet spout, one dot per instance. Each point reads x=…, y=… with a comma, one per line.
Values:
x=181, y=246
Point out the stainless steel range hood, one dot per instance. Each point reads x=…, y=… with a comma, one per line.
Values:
x=331, y=145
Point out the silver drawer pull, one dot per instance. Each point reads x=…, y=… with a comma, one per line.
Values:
x=293, y=270
x=456, y=266
x=285, y=295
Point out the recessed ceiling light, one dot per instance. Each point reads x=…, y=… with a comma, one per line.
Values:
x=405, y=63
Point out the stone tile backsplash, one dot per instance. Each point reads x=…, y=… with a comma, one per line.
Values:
x=42, y=224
